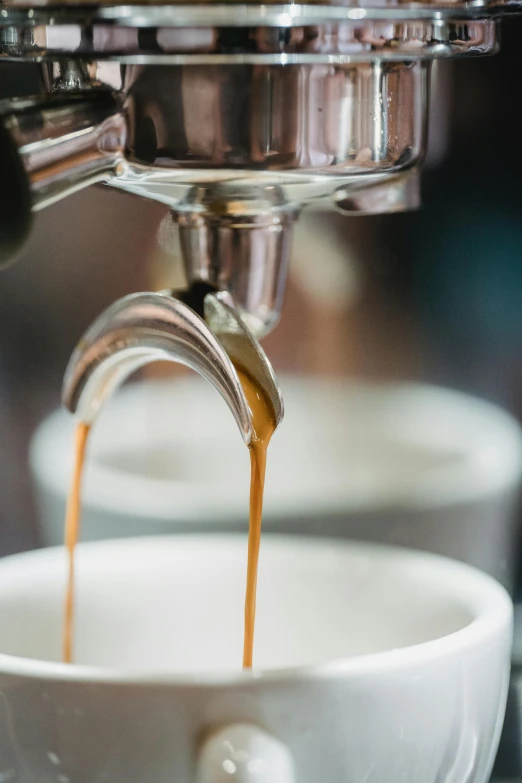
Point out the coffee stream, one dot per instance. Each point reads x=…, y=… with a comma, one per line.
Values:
x=72, y=530
x=263, y=426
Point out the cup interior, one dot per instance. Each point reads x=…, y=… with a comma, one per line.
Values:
x=176, y=604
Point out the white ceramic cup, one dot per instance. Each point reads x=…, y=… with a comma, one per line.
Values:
x=373, y=664
x=405, y=464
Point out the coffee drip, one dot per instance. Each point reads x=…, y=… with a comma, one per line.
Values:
x=128, y=336
x=71, y=536
x=263, y=427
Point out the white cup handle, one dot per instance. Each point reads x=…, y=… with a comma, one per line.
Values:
x=244, y=753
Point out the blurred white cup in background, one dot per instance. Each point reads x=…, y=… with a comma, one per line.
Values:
x=406, y=464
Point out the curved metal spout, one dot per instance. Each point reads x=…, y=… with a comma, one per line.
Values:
x=242, y=347
x=143, y=328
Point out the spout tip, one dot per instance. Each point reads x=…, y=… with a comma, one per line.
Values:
x=242, y=347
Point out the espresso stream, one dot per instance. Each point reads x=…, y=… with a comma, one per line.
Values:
x=72, y=530
x=263, y=426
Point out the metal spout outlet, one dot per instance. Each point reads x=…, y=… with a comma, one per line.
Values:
x=238, y=239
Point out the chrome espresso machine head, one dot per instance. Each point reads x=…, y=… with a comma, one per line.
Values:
x=234, y=115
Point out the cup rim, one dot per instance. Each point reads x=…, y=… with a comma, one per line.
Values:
x=484, y=596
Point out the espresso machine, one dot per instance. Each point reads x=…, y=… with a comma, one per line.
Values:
x=235, y=116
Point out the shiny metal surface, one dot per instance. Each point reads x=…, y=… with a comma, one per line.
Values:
x=248, y=13
x=314, y=120
x=243, y=349
x=396, y=194
x=146, y=327
x=306, y=124
x=236, y=164
x=138, y=330
x=238, y=239
x=334, y=42
x=66, y=142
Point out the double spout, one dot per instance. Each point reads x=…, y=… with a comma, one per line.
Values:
x=147, y=327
